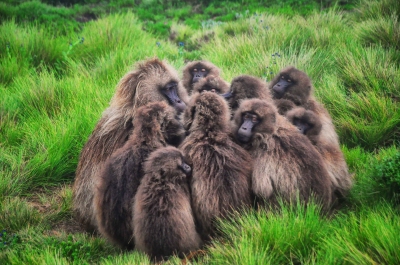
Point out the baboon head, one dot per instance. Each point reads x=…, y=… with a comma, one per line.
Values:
x=159, y=119
x=211, y=83
x=195, y=71
x=207, y=112
x=153, y=80
x=291, y=84
x=167, y=163
x=253, y=118
x=246, y=87
x=306, y=121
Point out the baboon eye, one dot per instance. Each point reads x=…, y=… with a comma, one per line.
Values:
x=282, y=77
x=203, y=70
x=254, y=119
x=194, y=69
x=289, y=80
x=246, y=116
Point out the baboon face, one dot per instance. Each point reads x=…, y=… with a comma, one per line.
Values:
x=198, y=72
x=291, y=82
x=254, y=116
x=153, y=80
x=306, y=121
x=168, y=161
x=170, y=91
x=249, y=120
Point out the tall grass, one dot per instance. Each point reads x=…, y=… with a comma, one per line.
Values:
x=55, y=86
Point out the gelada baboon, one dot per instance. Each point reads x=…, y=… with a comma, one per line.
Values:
x=246, y=87
x=221, y=169
x=211, y=83
x=153, y=80
x=294, y=86
x=194, y=71
x=309, y=124
x=155, y=126
x=286, y=164
x=163, y=219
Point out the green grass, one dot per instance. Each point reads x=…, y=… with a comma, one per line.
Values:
x=54, y=87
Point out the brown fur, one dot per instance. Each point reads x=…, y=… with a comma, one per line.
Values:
x=136, y=89
x=187, y=76
x=163, y=219
x=285, y=162
x=121, y=174
x=221, y=168
x=211, y=82
x=154, y=127
x=247, y=87
x=333, y=157
x=301, y=94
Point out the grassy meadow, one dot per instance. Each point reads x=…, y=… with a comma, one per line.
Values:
x=54, y=86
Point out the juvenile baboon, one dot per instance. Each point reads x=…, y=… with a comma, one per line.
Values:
x=294, y=85
x=211, y=83
x=153, y=80
x=309, y=124
x=155, y=126
x=246, y=87
x=221, y=169
x=194, y=71
x=285, y=161
x=163, y=219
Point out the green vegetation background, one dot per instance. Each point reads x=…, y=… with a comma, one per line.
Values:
x=60, y=62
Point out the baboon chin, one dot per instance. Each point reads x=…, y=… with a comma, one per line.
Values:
x=119, y=178
x=221, y=173
x=194, y=72
x=152, y=81
x=286, y=164
x=163, y=219
x=310, y=125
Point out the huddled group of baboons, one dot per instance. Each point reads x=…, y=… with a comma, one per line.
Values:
x=169, y=155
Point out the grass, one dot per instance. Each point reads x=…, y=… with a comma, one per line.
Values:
x=55, y=85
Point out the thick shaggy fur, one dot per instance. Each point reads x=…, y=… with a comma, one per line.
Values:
x=136, y=89
x=154, y=127
x=333, y=157
x=247, y=87
x=210, y=67
x=285, y=161
x=301, y=94
x=211, y=82
x=221, y=168
x=163, y=219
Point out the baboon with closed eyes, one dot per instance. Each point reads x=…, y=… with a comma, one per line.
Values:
x=195, y=71
x=246, y=87
x=309, y=124
x=286, y=164
x=291, y=88
x=152, y=80
x=221, y=169
x=154, y=126
x=163, y=218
